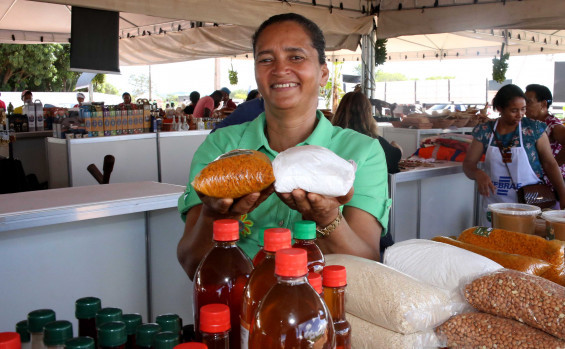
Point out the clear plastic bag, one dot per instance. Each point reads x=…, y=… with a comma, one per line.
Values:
x=390, y=299
x=530, y=299
x=235, y=174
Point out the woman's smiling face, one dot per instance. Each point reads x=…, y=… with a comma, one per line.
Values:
x=287, y=70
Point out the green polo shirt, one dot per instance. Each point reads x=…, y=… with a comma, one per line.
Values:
x=371, y=188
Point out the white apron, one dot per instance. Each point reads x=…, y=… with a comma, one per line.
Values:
x=520, y=168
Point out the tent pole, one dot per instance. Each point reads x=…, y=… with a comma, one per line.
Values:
x=216, y=74
x=150, y=96
x=90, y=92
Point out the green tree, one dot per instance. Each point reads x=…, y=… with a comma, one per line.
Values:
x=440, y=77
x=333, y=91
x=64, y=80
x=139, y=84
x=26, y=66
x=381, y=76
x=107, y=88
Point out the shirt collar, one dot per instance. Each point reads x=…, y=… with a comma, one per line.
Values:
x=254, y=135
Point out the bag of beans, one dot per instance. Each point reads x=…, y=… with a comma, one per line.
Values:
x=530, y=299
x=390, y=299
x=365, y=335
x=480, y=330
x=437, y=264
x=525, y=264
x=235, y=174
x=522, y=244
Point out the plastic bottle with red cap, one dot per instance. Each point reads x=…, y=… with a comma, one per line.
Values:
x=304, y=234
x=315, y=280
x=10, y=340
x=222, y=276
x=191, y=345
x=215, y=326
x=262, y=278
x=259, y=256
x=291, y=306
x=334, y=280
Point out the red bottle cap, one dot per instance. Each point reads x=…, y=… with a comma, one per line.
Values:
x=315, y=281
x=191, y=345
x=10, y=340
x=277, y=238
x=214, y=318
x=226, y=230
x=334, y=276
x=291, y=262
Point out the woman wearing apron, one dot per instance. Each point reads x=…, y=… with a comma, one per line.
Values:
x=517, y=154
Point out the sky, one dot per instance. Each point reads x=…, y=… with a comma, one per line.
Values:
x=176, y=78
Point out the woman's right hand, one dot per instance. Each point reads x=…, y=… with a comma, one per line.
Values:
x=484, y=183
x=233, y=208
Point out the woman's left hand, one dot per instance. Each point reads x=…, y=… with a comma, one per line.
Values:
x=315, y=207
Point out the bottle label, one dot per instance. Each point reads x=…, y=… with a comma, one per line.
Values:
x=244, y=335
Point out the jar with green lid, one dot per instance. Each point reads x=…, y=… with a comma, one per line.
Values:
x=23, y=331
x=144, y=335
x=304, y=234
x=36, y=320
x=112, y=335
x=56, y=333
x=165, y=340
x=10, y=340
x=132, y=321
x=80, y=343
x=105, y=315
x=85, y=312
x=170, y=323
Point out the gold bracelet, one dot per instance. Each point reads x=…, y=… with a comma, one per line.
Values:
x=328, y=229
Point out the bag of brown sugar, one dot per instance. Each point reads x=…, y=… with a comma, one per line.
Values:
x=235, y=174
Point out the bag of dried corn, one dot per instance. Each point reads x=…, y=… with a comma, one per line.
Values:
x=530, y=299
x=388, y=298
x=518, y=262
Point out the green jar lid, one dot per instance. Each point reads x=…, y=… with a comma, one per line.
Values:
x=80, y=343
x=57, y=332
x=112, y=334
x=144, y=334
x=165, y=340
x=38, y=318
x=305, y=230
x=22, y=329
x=105, y=315
x=86, y=308
x=131, y=321
x=169, y=323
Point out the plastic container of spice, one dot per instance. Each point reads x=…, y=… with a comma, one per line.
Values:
x=144, y=335
x=56, y=333
x=25, y=337
x=36, y=320
x=85, y=312
x=112, y=335
x=554, y=224
x=132, y=321
x=165, y=340
x=80, y=343
x=520, y=218
x=9, y=340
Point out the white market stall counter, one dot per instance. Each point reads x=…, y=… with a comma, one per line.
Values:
x=409, y=138
x=116, y=242
x=431, y=201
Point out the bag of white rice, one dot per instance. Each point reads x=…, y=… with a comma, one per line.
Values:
x=365, y=335
x=437, y=264
x=388, y=298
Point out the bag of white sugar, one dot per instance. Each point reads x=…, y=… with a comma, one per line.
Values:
x=388, y=298
x=438, y=264
x=314, y=169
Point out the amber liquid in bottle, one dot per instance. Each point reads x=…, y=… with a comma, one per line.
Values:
x=259, y=257
x=335, y=300
x=87, y=328
x=216, y=340
x=316, y=260
x=221, y=278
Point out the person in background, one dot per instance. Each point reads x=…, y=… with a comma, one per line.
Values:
x=517, y=153
x=2, y=104
x=228, y=103
x=246, y=111
x=538, y=101
x=80, y=99
x=290, y=68
x=27, y=97
x=354, y=112
x=126, y=99
x=207, y=104
x=194, y=97
x=252, y=95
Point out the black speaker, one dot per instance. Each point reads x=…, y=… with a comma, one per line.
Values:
x=94, y=41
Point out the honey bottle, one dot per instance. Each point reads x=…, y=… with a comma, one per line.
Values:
x=215, y=326
x=132, y=321
x=36, y=320
x=334, y=280
x=191, y=345
x=165, y=340
x=315, y=280
x=22, y=330
x=261, y=254
x=144, y=335
x=292, y=315
x=10, y=340
x=85, y=311
x=222, y=276
x=305, y=237
x=262, y=278
x=80, y=343
x=112, y=335
x=170, y=323
x=56, y=333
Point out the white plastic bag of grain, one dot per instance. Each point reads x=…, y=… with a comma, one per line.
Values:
x=365, y=335
x=314, y=169
x=437, y=264
x=388, y=298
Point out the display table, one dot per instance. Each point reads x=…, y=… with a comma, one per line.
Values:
x=176, y=150
x=116, y=242
x=409, y=139
x=30, y=149
x=431, y=201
